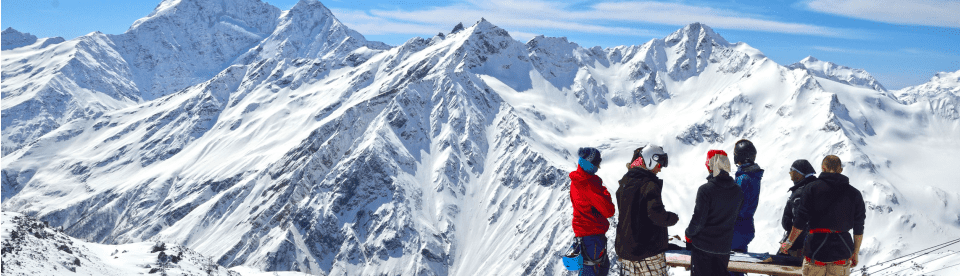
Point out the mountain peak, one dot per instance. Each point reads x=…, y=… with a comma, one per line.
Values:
x=309, y=30
x=839, y=73
x=311, y=4
x=699, y=31
x=251, y=15
x=483, y=24
x=809, y=59
x=457, y=28
x=951, y=76
x=13, y=39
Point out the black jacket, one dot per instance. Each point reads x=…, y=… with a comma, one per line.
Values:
x=830, y=203
x=715, y=213
x=643, y=221
x=788, y=210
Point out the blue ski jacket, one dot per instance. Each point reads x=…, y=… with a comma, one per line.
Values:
x=748, y=178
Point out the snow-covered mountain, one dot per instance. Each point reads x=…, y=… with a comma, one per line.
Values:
x=315, y=150
x=47, y=85
x=32, y=247
x=839, y=73
x=941, y=94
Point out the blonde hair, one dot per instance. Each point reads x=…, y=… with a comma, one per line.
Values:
x=719, y=162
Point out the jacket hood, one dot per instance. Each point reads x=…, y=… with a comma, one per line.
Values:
x=753, y=169
x=723, y=180
x=640, y=174
x=834, y=178
x=579, y=175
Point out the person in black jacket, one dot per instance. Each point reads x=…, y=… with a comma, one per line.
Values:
x=710, y=233
x=642, y=231
x=829, y=208
x=801, y=173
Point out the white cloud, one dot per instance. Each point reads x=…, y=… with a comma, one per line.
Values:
x=373, y=25
x=682, y=14
x=901, y=52
x=942, y=13
x=837, y=50
x=522, y=36
x=541, y=16
x=523, y=15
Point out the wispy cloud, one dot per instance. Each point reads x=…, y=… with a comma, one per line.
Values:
x=900, y=52
x=941, y=13
x=841, y=50
x=540, y=16
x=681, y=14
x=373, y=25
x=522, y=15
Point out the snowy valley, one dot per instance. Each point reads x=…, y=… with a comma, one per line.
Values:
x=257, y=139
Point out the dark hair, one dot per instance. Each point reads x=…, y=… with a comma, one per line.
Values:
x=832, y=163
x=636, y=153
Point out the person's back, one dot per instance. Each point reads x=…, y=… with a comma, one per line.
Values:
x=748, y=177
x=832, y=208
x=711, y=229
x=587, y=194
x=592, y=205
x=643, y=220
x=829, y=207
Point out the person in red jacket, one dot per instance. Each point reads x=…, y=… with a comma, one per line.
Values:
x=592, y=205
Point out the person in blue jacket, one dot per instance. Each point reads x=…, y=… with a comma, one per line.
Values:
x=748, y=178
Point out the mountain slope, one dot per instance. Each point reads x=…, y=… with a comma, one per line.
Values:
x=309, y=30
x=941, y=95
x=49, y=85
x=450, y=155
x=184, y=42
x=840, y=73
x=31, y=247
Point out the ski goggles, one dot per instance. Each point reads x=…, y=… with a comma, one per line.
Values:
x=660, y=159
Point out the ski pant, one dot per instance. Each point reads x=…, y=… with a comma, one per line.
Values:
x=740, y=242
x=595, y=248
x=707, y=264
x=651, y=266
x=811, y=269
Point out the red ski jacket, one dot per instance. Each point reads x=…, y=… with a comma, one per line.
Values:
x=592, y=204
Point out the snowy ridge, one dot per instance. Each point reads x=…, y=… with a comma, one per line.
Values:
x=78, y=79
x=839, y=73
x=941, y=93
x=184, y=42
x=15, y=39
x=31, y=247
x=309, y=30
x=330, y=155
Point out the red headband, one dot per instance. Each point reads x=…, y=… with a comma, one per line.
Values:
x=710, y=155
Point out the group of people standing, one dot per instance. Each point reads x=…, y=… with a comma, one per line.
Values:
x=818, y=216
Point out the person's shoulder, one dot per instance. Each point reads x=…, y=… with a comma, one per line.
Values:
x=814, y=187
x=707, y=187
x=651, y=185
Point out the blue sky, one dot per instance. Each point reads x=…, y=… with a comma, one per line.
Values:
x=900, y=42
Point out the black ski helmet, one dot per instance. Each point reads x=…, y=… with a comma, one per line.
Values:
x=744, y=152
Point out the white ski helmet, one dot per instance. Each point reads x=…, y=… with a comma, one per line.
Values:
x=653, y=155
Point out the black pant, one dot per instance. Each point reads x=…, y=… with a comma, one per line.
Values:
x=707, y=264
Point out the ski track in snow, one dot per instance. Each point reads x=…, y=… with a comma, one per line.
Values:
x=271, y=140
